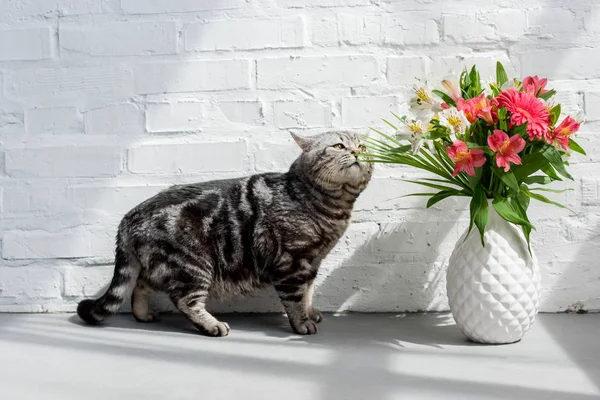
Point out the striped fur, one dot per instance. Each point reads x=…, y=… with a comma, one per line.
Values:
x=227, y=238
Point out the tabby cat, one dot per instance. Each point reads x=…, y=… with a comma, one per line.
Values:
x=224, y=238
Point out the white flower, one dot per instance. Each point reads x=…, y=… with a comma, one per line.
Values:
x=510, y=84
x=454, y=120
x=412, y=131
x=451, y=86
x=424, y=103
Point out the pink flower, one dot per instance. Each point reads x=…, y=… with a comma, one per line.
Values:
x=465, y=159
x=444, y=106
x=506, y=148
x=563, y=131
x=534, y=85
x=524, y=107
x=478, y=107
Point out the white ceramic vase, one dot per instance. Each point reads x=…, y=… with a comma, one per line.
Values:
x=493, y=291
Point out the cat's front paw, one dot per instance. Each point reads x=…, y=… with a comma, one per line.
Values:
x=315, y=315
x=218, y=330
x=308, y=327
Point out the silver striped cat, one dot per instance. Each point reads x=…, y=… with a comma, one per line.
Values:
x=227, y=238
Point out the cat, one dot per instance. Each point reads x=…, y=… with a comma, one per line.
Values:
x=227, y=238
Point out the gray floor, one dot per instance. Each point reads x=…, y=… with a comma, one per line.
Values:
x=354, y=356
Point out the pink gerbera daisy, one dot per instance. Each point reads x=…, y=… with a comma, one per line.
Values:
x=525, y=107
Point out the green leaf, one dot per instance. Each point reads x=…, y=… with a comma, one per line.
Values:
x=519, y=130
x=539, y=197
x=538, y=179
x=508, y=178
x=501, y=76
x=553, y=156
x=479, y=211
x=551, y=172
x=552, y=190
x=430, y=185
x=442, y=195
x=507, y=211
x=554, y=114
x=401, y=149
x=390, y=124
x=576, y=147
x=447, y=99
x=547, y=95
x=530, y=163
x=521, y=203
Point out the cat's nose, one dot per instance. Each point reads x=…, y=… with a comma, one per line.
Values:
x=355, y=153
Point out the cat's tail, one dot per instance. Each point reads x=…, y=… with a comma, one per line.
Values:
x=123, y=281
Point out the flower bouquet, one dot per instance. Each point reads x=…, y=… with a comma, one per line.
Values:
x=498, y=143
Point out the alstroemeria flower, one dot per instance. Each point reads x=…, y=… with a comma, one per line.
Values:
x=465, y=159
x=451, y=86
x=534, y=85
x=478, y=107
x=563, y=132
x=454, y=120
x=525, y=107
x=412, y=131
x=506, y=148
x=424, y=105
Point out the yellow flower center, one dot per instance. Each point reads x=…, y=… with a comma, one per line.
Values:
x=462, y=156
x=422, y=96
x=415, y=128
x=504, y=147
x=455, y=122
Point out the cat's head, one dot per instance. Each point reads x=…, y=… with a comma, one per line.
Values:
x=332, y=159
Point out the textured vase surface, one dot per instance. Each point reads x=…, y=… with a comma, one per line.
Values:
x=493, y=291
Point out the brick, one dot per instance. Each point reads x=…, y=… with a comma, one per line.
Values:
x=179, y=6
x=110, y=200
x=360, y=29
x=25, y=44
x=582, y=63
x=276, y=157
x=70, y=161
x=70, y=243
x=34, y=198
x=590, y=195
x=174, y=117
x=192, y=76
x=70, y=83
x=323, y=3
x=554, y=22
x=302, y=114
x=280, y=73
x=486, y=27
x=120, y=38
x=188, y=158
x=414, y=237
x=60, y=120
x=117, y=119
x=87, y=281
x=11, y=123
x=402, y=71
x=367, y=111
x=408, y=29
x=246, y=34
x=592, y=106
x=243, y=112
x=30, y=283
x=324, y=31
x=12, y=10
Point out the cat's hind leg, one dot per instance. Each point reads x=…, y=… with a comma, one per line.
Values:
x=139, y=303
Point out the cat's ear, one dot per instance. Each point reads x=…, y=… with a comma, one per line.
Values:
x=304, y=142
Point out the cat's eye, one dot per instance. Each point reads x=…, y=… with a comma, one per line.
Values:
x=339, y=146
x=362, y=148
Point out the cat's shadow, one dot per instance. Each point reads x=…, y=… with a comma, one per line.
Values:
x=337, y=330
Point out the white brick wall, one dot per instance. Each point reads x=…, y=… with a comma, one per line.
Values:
x=104, y=103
